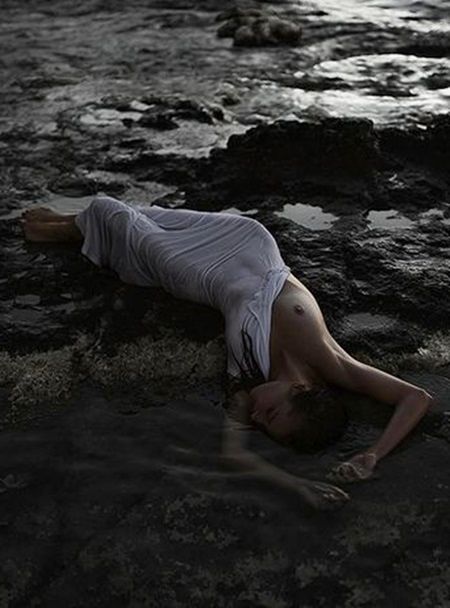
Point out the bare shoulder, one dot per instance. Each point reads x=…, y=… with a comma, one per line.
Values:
x=315, y=345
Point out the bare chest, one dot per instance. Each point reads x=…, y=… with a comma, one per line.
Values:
x=296, y=320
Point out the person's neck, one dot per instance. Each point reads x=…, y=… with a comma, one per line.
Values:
x=285, y=367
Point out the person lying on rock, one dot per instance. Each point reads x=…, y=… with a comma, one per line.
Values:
x=286, y=368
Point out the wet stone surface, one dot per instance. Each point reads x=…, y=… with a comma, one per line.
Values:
x=112, y=492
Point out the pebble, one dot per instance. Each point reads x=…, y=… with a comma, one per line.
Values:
x=28, y=299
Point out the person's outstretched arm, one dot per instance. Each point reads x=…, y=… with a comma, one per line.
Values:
x=411, y=403
x=236, y=454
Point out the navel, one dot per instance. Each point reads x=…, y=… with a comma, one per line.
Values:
x=299, y=309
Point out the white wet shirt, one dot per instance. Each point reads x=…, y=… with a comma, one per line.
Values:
x=226, y=261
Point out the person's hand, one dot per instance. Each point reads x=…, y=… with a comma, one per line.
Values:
x=358, y=468
x=322, y=496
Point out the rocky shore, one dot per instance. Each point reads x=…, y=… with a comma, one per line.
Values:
x=111, y=488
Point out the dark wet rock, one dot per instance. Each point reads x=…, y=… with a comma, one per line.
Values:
x=385, y=275
x=157, y=120
x=142, y=508
x=430, y=44
x=287, y=152
x=104, y=181
x=30, y=299
x=133, y=142
x=442, y=428
x=228, y=95
x=167, y=168
x=379, y=335
x=254, y=27
x=325, y=156
x=372, y=272
x=180, y=108
x=73, y=185
x=121, y=103
x=425, y=145
x=406, y=189
x=438, y=81
x=111, y=478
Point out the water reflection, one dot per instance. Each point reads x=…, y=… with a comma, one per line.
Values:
x=309, y=216
x=389, y=219
x=105, y=117
x=389, y=73
x=368, y=86
x=435, y=214
x=392, y=219
x=420, y=16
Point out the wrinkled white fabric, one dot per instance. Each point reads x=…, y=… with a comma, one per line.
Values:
x=224, y=260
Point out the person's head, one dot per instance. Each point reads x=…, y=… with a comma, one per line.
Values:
x=305, y=419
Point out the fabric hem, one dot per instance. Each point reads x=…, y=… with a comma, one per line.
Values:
x=86, y=249
x=263, y=322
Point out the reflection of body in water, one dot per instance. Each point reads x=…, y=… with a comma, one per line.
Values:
x=286, y=370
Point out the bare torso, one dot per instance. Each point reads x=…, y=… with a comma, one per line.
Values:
x=295, y=315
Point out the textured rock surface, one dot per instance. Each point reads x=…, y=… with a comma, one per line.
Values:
x=255, y=27
x=112, y=492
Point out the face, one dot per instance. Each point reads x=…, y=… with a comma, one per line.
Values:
x=271, y=409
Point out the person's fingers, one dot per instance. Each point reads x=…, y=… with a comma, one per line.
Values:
x=332, y=501
x=326, y=497
x=352, y=471
x=348, y=472
x=339, y=497
x=336, y=498
x=331, y=492
x=319, y=485
x=335, y=491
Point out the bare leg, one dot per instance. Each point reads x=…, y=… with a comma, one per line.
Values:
x=60, y=229
x=44, y=214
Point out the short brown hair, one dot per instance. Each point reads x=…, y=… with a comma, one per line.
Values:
x=324, y=418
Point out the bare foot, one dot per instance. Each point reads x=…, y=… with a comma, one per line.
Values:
x=36, y=231
x=43, y=214
x=50, y=232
